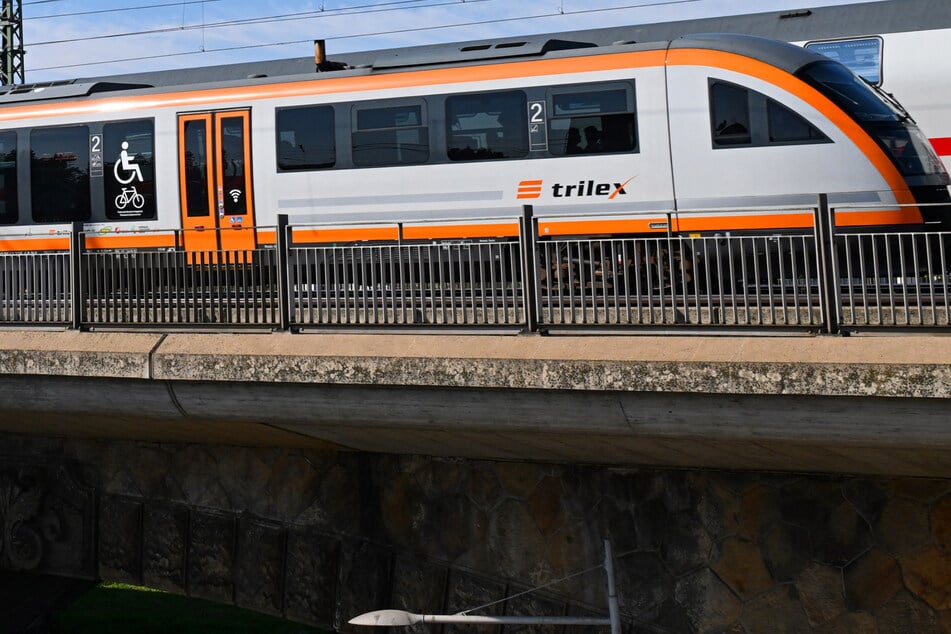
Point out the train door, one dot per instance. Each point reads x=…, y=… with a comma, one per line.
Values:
x=214, y=164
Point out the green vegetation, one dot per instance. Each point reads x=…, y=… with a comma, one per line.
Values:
x=114, y=608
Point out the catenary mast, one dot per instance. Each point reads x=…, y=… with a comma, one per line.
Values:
x=11, y=23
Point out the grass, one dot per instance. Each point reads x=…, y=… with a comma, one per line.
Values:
x=113, y=608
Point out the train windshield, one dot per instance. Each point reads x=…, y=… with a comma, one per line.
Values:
x=884, y=119
x=849, y=92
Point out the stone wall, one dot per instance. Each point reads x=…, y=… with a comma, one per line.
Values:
x=321, y=536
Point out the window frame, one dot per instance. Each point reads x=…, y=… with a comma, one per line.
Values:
x=629, y=87
x=150, y=207
x=759, y=131
x=87, y=204
x=334, y=154
x=424, y=126
x=13, y=193
x=523, y=121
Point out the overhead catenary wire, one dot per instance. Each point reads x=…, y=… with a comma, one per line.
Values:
x=363, y=9
x=260, y=20
x=73, y=14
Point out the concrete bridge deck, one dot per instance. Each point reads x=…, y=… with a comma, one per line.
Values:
x=870, y=404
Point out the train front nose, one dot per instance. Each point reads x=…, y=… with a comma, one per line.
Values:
x=923, y=171
x=935, y=204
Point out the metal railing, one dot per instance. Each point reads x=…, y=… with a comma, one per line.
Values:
x=35, y=288
x=228, y=288
x=820, y=281
x=901, y=280
x=699, y=282
x=453, y=284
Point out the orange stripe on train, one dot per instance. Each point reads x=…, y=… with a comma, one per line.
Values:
x=316, y=86
x=442, y=232
x=34, y=244
x=126, y=241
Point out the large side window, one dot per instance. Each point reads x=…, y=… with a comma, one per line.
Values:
x=487, y=126
x=593, y=121
x=394, y=135
x=305, y=138
x=9, y=207
x=740, y=117
x=59, y=174
x=129, y=170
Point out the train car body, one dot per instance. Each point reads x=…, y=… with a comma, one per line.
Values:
x=696, y=135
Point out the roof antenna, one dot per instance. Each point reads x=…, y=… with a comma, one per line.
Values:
x=320, y=58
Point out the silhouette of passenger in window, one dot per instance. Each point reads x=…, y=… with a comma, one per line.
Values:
x=573, y=141
x=592, y=139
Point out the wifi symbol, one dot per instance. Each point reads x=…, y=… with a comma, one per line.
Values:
x=235, y=194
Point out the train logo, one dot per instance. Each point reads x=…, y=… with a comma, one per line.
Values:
x=581, y=189
x=530, y=189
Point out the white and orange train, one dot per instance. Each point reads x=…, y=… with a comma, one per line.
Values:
x=695, y=135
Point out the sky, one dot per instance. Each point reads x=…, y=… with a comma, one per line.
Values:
x=64, y=39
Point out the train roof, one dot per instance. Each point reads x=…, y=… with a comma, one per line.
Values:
x=876, y=17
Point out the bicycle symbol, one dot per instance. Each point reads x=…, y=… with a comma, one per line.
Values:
x=130, y=196
x=133, y=171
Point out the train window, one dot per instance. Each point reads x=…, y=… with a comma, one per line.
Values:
x=786, y=126
x=730, y=114
x=129, y=170
x=487, y=126
x=195, y=168
x=9, y=208
x=593, y=122
x=740, y=117
x=305, y=138
x=234, y=162
x=395, y=135
x=59, y=174
x=862, y=56
x=849, y=92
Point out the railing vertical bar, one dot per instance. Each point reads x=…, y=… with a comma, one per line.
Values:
x=929, y=258
x=7, y=263
x=388, y=285
x=945, y=282
x=76, y=239
x=348, y=302
x=453, y=255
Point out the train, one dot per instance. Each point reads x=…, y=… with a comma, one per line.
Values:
x=602, y=133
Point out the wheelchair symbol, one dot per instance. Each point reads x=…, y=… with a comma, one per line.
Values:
x=132, y=171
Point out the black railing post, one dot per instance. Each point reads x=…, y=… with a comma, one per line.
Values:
x=528, y=243
x=76, y=248
x=283, y=272
x=828, y=265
